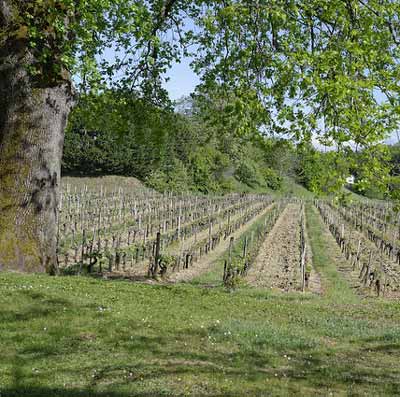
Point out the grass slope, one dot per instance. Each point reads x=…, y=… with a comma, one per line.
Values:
x=73, y=336
x=290, y=188
x=109, y=182
x=113, y=182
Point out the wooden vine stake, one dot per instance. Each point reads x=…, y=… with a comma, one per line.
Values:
x=155, y=265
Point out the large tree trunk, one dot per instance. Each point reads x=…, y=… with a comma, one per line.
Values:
x=33, y=116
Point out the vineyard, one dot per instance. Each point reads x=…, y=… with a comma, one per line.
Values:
x=369, y=237
x=149, y=235
x=142, y=235
x=182, y=294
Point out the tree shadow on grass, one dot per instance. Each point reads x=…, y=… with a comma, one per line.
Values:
x=163, y=357
x=115, y=380
x=342, y=371
x=38, y=305
x=353, y=371
x=38, y=391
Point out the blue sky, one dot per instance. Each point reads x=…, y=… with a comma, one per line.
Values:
x=182, y=79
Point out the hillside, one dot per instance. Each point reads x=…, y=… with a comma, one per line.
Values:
x=224, y=311
x=109, y=182
x=78, y=336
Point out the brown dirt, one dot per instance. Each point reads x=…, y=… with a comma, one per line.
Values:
x=111, y=183
x=278, y=263
x=314, y=281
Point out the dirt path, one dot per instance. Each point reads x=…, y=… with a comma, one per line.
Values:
x=314, y=280
x=206, y=263
x=278, y=263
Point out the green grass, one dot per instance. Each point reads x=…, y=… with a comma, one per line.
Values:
x=84, y=337
x=76, y=336
x=356, y=197
x=292, y=189
x=336, y=287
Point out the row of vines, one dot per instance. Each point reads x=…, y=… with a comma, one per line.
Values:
x=148, y=234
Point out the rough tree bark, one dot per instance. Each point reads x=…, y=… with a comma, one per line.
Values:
x=33, y=115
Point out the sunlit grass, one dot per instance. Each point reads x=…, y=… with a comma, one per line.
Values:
x=76, y=336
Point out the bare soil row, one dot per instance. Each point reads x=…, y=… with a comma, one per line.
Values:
x=278, y=262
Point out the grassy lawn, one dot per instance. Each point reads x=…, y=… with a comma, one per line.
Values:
x=81, y=337
x=325, y=259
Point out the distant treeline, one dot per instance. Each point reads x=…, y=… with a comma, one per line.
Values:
x=169, y=150
x=189, y=148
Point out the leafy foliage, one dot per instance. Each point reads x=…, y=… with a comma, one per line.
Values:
x=272, y=179
x=313, y=65
x=327, y=69
x=119, y=133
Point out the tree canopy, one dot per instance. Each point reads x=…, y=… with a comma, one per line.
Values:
x=327, y=67
x=116, y=133
x=307, y=69
x=323, y=67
